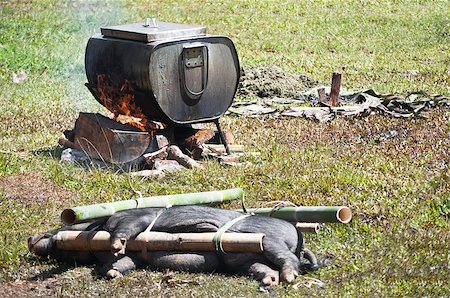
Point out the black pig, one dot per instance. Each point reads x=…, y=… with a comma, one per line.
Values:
x=283, y=257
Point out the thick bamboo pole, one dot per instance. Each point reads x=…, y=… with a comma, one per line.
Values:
x=339, y=214
x=83, y=213
x=157, y=241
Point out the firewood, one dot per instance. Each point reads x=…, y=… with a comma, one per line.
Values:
x=228, y=158
x=166, y=165
x=175, y=153
x=221, y=148
x=198, y=139
x=151, y=174
x=152, y=156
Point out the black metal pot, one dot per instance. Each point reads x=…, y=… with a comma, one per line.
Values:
x=170, y=72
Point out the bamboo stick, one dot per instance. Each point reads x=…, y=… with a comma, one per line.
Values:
x=157, y=241
x=308, y=227
x=339, y=214
x=82, y=213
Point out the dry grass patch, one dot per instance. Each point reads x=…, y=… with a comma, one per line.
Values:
x=32, y=188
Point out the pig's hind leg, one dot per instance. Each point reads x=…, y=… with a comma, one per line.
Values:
x=264, y=274
x=278, y=253
x=253, y=265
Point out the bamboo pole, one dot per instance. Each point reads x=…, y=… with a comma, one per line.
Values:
x=339, y=214
x=308, y=227
x=158, y=241
x=83, y=213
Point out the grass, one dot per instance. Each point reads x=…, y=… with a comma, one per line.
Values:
x=398, y=188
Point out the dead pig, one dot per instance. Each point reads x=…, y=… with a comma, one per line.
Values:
x=283, y=246
x=284, y=251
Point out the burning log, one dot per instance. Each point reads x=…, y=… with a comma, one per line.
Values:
x=83, y=213
x=159, y=241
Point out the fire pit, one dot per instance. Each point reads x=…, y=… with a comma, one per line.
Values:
x=161, y=78
x=170, y=73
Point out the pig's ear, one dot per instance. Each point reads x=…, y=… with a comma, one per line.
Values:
x=118, y=246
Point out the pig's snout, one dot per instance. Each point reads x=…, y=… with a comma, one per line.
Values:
x=118, y=246
x=40, y=245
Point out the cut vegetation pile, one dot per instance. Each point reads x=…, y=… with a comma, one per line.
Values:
x=393, y=173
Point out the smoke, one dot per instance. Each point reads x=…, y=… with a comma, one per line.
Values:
x=85, y=17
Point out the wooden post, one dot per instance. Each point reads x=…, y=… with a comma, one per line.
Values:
x=335, y=89
x=322, y=97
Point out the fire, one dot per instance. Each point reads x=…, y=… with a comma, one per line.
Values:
x=122, y=104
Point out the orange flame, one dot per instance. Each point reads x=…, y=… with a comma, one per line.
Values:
x=122, y=104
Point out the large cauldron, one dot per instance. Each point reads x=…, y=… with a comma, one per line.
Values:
x=170, y=72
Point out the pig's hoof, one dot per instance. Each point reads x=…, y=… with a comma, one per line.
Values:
x=288, y=275
x=113, y=273
x=270, y=279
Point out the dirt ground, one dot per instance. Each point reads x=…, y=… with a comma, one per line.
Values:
x=271, y=81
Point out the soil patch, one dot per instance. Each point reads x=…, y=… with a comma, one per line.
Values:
x=32, y=188
x=22, y=288
x=271, y=81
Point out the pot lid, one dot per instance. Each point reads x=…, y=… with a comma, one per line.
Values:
x=152, y=30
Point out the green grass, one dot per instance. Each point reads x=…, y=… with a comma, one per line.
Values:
x=399, y=188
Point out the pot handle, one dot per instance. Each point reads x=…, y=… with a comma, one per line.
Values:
x=194, y=63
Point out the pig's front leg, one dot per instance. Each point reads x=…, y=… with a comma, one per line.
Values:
x=117, y=267
x=126, y=225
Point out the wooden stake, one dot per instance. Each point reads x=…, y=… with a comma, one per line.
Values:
x=335, y=89
x=321, y=93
